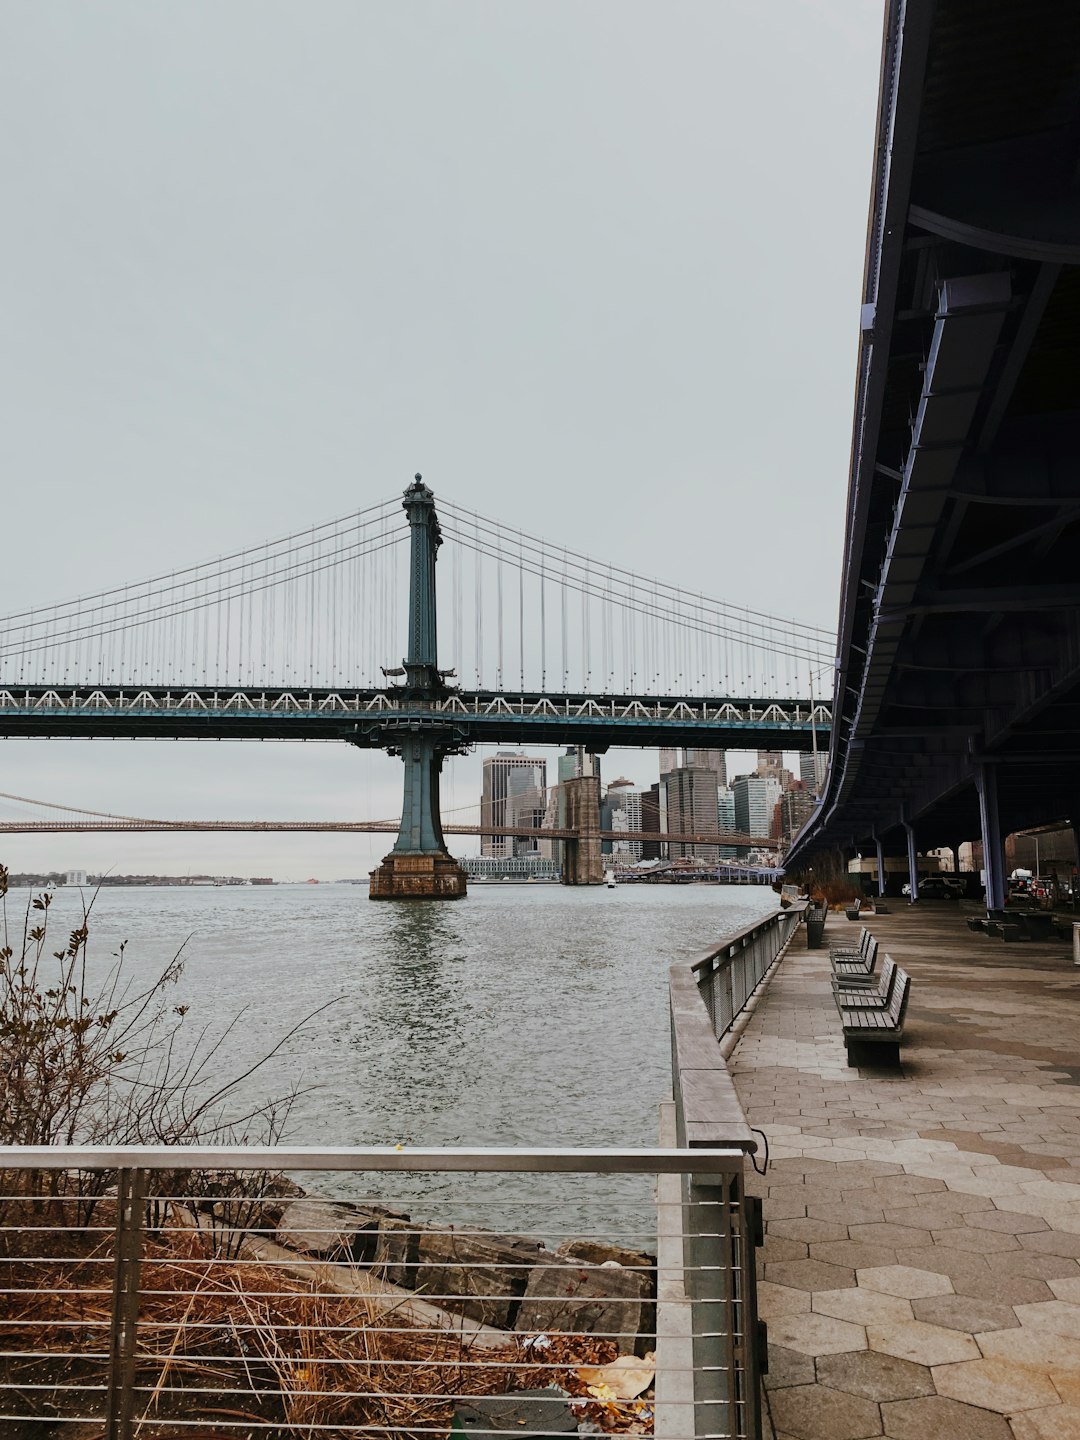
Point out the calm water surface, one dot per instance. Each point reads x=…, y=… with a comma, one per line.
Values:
x=522, y=1015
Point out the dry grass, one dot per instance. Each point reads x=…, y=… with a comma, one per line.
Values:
x=232, y=1343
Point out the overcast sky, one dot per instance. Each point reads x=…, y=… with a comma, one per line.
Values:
x=593, y=266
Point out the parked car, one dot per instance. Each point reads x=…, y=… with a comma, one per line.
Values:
x=937, y=887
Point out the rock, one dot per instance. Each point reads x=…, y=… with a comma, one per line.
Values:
x=527, y=1412
x=333, y=1231
x=589, y=1299
x=595, y=1253
x=397, y=1249
x=482, y=1276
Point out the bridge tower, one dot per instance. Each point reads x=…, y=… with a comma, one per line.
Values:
x=420, y=867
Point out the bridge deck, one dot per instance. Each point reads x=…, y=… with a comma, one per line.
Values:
x=921, y=1271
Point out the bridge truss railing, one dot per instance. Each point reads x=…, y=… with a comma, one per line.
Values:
x=153, y=1290
x=43, y=700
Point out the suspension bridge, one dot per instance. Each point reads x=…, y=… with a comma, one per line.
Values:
x=290, y=640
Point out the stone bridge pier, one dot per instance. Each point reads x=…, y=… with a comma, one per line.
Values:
x=582, y=863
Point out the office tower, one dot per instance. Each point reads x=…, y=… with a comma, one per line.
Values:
x=709, y=760
x=796, y=807
x=725, y=808
x=650, y=822
x=770, y=763
x=691, y=809
x=670, y=759
x=528, y=772
x=812, y=769
x=755, y=801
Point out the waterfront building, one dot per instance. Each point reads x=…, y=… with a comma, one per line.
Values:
x=692, y=808
x=756, y=797
x=529, y=773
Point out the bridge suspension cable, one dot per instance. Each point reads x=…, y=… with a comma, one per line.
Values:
x=319, y=607
x=654, y=636
x=324, y=607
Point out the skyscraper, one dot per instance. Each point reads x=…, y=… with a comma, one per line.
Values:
x=529, y=774
x=692, y=809
x=812, y=769
x=710, y=760
x=755, y=801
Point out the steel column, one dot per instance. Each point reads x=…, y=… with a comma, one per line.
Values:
x=912, y=861
x=120, y=1393
x=880, y=865
x=992, y=842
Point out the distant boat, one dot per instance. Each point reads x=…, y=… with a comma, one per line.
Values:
x=609, y=879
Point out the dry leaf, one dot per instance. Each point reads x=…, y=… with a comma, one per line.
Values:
x=623, y=1379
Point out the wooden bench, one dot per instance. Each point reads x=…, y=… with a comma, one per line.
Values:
x=865, y=937
x=873, y=1035
x=857, y=994
x=857, y=967
x=852, y=911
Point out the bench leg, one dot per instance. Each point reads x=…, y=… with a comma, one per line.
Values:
x=873, y=1052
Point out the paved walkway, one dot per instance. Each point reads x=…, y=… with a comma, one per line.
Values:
x=921, y=1269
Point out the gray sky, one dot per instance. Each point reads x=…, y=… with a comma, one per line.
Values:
x=594, y=268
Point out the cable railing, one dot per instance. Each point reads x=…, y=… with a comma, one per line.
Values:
x=154, y=1291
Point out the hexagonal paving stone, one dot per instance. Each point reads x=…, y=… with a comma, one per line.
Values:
x=806, y=1229
x=777, y=1248
x=980, y=1242
x=814, y=1412
x=874, y=1376
x=817, y=1334
x=924, y=1344
x=995, y=1384
x=1066, y=1290
x=1035, y=1266
x=1053, y=1242
x=1054, y=1355
x=1007, y=1289
x=891, y=1235
x=894, y=1185
x=930, y=1216
x=1058, y=1316
x=1059, y=1422
x=853, y=1212
x=776, y=1300
x=861, y=1306
x=810, y=1275
x=937, y=1418
x=851, y=1253
x=1010, y=1221
x=904, y=1281
x=964, y=1312
x=787, y=1367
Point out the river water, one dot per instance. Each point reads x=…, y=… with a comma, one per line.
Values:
x=522, y=1015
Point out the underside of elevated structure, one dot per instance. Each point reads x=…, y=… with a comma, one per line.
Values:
x=957, y=698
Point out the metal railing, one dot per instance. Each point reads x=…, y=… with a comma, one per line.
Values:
x=707, y=997
x=728, y=975
x=164, y=1292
